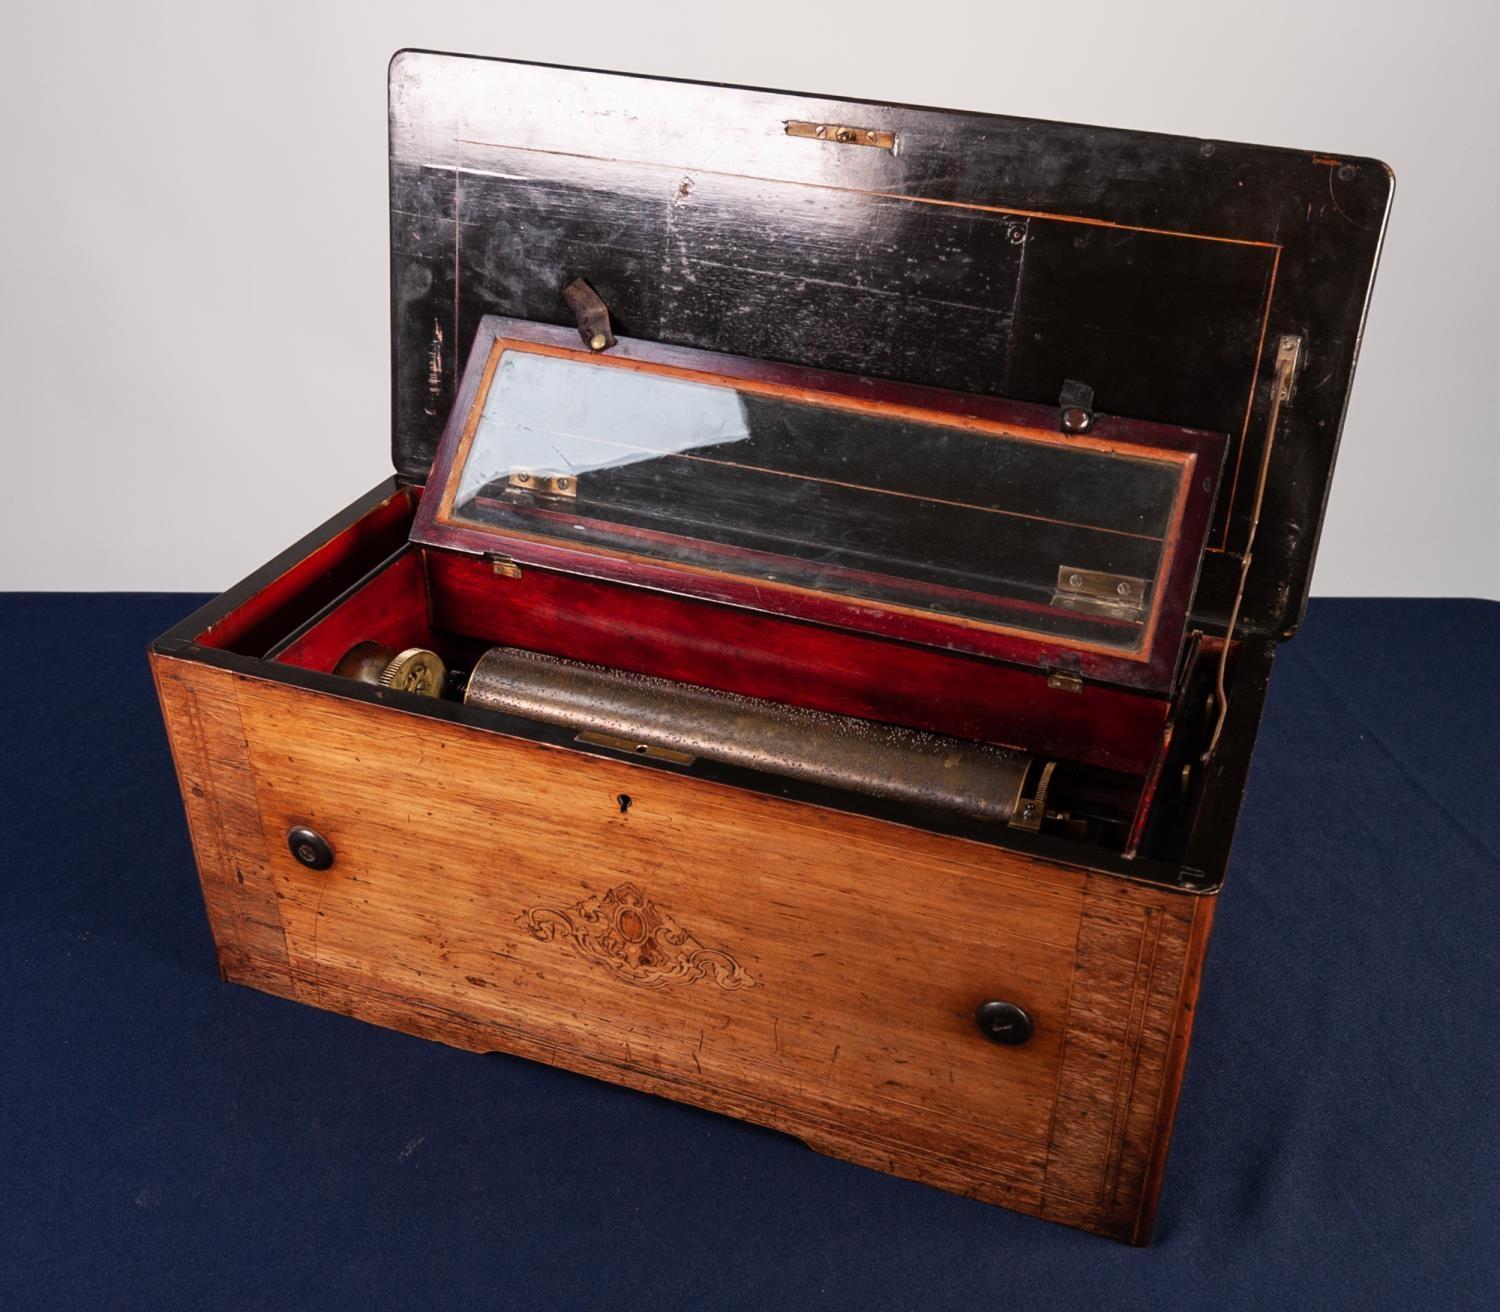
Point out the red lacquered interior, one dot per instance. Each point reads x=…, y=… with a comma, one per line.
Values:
x=432, y=598
x=788, y=660
x=327, y=570
x=452, y=602
x=363, y=580
x=357, y=586
x=391, y=608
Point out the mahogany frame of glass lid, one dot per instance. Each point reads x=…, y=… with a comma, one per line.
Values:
x=1148, y=664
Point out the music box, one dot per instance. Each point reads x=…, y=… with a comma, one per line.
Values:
x=808, y=658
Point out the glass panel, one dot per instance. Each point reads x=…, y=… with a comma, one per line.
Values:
x=918, y=513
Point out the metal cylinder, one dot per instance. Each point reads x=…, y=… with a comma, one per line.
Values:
x=860, y=755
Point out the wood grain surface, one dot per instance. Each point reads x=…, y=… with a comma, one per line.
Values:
x=796, y=966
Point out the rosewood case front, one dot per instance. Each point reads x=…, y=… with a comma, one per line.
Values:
x=778, y=950
x=805, y=959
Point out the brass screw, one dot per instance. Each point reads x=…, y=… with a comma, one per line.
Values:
x=1074, y=580
x=844, y=134
x=523, y=478
x=562, y=485
x=1123, y=589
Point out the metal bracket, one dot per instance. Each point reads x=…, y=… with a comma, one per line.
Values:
x=1030, y=812
x=591, y=314
x=633, y=748
x=1288, y=360
x=1118, y=596
x=1076, y=402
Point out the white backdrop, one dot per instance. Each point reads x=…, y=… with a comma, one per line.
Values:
x=193, y=317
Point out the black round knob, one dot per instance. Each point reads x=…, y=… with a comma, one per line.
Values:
x=1075, y=419
x=310, y=847
x=1003, y=1022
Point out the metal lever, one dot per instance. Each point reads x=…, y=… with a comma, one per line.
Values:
x=1288, y=356
x=1029, y=814
x=1076, y=406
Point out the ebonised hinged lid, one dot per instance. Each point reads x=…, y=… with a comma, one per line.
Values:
x=993, y=256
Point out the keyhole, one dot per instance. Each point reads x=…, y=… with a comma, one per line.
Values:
x=624, y=799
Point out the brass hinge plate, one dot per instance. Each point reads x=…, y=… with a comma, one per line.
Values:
x=545, y=485
x=1065, y=680
x=1118, y=596
x=842, y=134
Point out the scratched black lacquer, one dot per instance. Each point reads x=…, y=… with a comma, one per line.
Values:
x=982, y=253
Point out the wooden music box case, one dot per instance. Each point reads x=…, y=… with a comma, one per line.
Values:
x=808, y=658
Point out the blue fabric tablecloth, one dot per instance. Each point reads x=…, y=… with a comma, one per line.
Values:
x=174, y=1142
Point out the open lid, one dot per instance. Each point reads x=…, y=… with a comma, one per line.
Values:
x=985, y=255
x=959, y=521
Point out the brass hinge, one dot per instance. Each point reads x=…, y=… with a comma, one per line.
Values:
x=545, y=485
x=504, y=566
x=843, y=134
x=1065, y=680
x=1116, y=595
